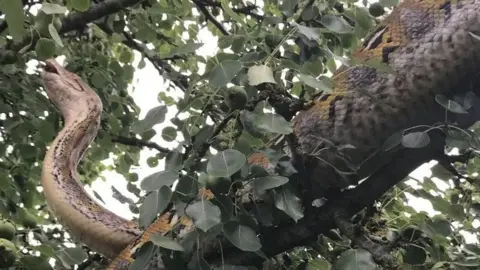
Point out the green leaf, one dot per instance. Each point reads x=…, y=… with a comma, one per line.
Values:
x=166, y=242
x=355, y=259
x=98, y=80
x=45, y=48
x=226, y=7
x=450, y=105
x=242, y=237
x=72, y=255
x=415, y=140
x=269, y=182
x=49, y=8
x=231, y=267
x=286, y=201
x=157, y=180
x=311, y=33
x=54, y=34
x=81, y=5
x=315, y=83
x=270, y=122
x=226, y=163
x=173, y=160
x=143, y=256
x=415, y=255
x=187, y=188
x=204, y=214
x=185, y=49
x=14, y=16
x=318, y=264
x=153, y=117
x=336, y=24
x=155, y=203
x=224, y=72
x=169, y=134
x=388, y=3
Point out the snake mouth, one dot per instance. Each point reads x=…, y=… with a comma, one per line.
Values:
x=50, y=68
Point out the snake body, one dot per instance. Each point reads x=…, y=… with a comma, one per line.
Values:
x=87, y=221
x=428, y=43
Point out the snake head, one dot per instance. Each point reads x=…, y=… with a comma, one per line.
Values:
x=68, y=91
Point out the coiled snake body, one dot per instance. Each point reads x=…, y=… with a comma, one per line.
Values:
x=430, y=44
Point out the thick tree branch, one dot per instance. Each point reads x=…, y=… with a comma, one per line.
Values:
x=306, y=231
x=139, y=143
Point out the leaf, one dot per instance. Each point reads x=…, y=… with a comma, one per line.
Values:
x=14, y=16
x=185, y=49
x=224, y=72
x=169, y=134
x=45, y=48
x=318, y=264
x=72, y=255
x=154, y=203
x=415, y=140
x=450, y=105
x=388, y=3
x=173, y=160
x=260, y=74
x=355, y=259
x=315, y=83
x=204, y=214
x=143, y=256
x=166, y=242
x=270, y=122
x=53, y=32
x=81, y=5
x=286, y=201
x=226, y=7
x=153, y=117
x=231, y=267
x=415, y=255
x=269, y=182
x=336, y=24
x=242, y=237
x=157, y=180
x=226, y=163
x=187, y=188
x=311, y=33
x=392, y=141
x=49, y=8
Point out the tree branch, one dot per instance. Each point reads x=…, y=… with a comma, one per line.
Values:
x=356, y=233
x=247, y=10
x=291, y=235
x=210, y=17
x=139, y=143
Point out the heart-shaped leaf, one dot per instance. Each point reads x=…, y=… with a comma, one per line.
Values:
x=204, y=214
x=242, y=237
x=226, y=163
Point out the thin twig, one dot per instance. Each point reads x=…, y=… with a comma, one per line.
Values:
x=139, y=143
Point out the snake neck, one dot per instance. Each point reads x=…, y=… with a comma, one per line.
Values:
x=85, y=219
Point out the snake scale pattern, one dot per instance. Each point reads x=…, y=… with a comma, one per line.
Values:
x=431, y=45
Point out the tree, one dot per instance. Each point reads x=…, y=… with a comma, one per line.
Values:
x=369, y=225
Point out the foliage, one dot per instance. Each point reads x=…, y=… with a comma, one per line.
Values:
x=221, y=120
